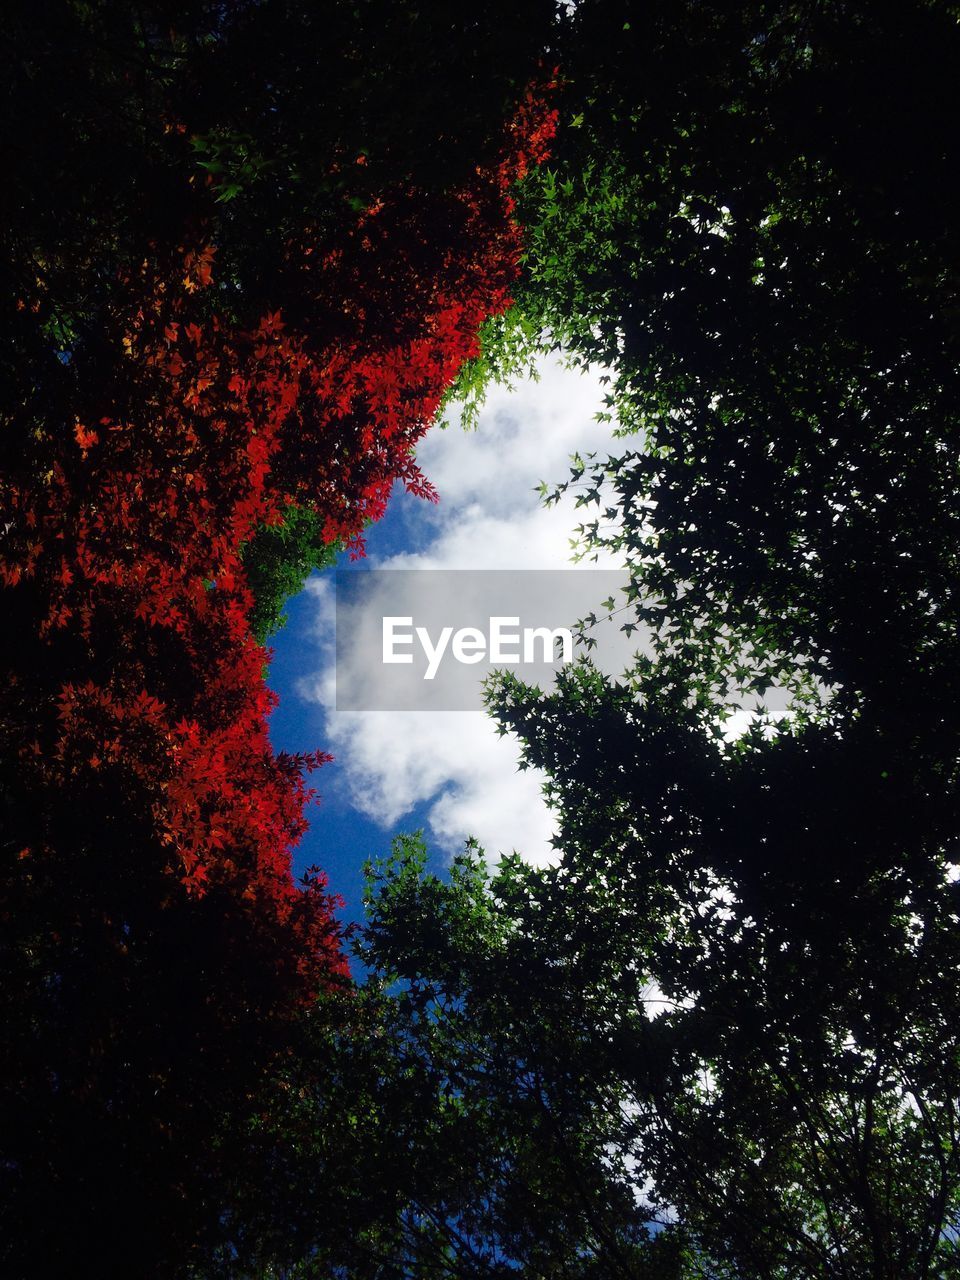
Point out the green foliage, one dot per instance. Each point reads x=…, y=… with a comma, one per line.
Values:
x=775, y=964
x=434, y=1122
x=230, y=160
x=746, y=955
x=742, y=222
x=278, y=561
x=509, y=346
x=521, y=1170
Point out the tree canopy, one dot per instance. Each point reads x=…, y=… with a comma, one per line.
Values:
x=744, y=964
x=718, y=1037
x=265, y=282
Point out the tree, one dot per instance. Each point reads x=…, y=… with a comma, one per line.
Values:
x=741, y=219
x=449, y=1113
x=250, y=311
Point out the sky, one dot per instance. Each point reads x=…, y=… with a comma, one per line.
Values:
x=445, y=772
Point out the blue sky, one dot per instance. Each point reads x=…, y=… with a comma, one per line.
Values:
x=341, y=836
x=446, y=772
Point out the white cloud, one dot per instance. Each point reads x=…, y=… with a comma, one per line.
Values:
x=489, y=517
x=525, y=435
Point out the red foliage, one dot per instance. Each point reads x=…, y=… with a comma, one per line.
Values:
x=122, y=536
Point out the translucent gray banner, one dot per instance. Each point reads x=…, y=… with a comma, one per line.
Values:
x=426, y=639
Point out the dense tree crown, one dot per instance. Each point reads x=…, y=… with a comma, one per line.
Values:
x=249, y=319
x=737, y=989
